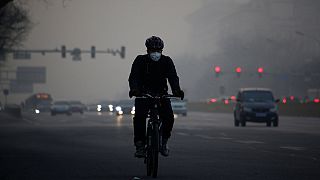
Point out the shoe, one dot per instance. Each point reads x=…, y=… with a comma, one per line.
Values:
x=164, y=150
x=140, y=150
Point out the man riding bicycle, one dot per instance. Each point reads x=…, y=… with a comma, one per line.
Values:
x=149, y=74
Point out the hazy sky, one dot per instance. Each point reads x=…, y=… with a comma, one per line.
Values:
x=105, y=24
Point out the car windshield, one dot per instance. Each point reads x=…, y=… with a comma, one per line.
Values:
x=258, y=96
x=61, y=103
x=75, y=102
x=44, y=103
x=125, y=103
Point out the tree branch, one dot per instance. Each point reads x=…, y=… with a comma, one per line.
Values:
x=3, y=3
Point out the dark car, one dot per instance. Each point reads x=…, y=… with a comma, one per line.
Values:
x=256, y=105
x=125, y=107
x=61, y=107
x=77, y=106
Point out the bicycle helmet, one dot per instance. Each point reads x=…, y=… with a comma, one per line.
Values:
x=154, y=42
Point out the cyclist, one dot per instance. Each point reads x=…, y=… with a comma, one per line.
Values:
x=149, y=74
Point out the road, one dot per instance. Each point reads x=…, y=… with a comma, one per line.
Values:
x=203, y=146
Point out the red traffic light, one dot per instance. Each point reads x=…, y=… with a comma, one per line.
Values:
x=260, y=70
x=284, y=100
x=238, y=69
x=217, y=69
x=213, y=100
x=291, y=98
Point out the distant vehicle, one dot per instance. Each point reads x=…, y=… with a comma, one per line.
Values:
x=92, y=107
x=125, y=107
x=77, y=106
x=179, y=107
x=256, y=105
x=61, y=107
x=39, y=102
x=106, y=106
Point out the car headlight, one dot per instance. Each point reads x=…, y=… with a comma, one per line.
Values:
x=120, y=112
x=247, y=109
x=118, y=108
x=110, y=108
x=37, y=111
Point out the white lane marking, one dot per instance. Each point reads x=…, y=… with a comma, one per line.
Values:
x=223, y=134
x=183, y=134
x=205, y=137
x=295, y=148
x=30, y=121
x=225, y=138
x=250, y=142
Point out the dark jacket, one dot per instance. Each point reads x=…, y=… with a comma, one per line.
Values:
x=150, y=76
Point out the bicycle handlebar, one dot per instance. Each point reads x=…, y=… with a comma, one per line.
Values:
x=166, y=96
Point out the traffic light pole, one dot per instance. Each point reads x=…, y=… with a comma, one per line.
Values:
x=76, y=52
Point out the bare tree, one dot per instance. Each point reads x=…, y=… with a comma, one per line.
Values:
x=14, y=24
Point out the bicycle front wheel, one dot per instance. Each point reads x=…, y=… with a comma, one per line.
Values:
x=149, y=159
x=155, y=150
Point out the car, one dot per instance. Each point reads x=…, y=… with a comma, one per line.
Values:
x=256, y=105
x=125, y=107
x=92, y=107
x=77, y=106
x=61, y=107
x=179, y=106
x=43, y=106
x=105, y=106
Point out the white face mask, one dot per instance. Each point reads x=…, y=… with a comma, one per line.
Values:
x=155, y=56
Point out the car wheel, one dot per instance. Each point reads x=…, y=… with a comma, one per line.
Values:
x=53, y=114
x=276, y=123
x=184, y=114
x=268, y=123
x=243, y=122
x=69, y=113
x=236, y=122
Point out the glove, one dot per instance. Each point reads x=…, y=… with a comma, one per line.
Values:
x=178, y=93
x=134, y=92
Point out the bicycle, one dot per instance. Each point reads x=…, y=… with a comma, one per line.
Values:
x=154, y=134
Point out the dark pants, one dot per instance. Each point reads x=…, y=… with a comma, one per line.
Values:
x=139, y=120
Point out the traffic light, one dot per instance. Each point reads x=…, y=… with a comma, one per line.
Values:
x=63, y=51
x=292, y=98
x=217, y=70
x=260, y=71
x=93, y=52
x=238, y=71
x=284, y=100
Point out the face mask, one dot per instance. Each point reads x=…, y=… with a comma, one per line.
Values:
x=155, y=56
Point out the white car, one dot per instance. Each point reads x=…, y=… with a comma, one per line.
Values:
x=179, y=107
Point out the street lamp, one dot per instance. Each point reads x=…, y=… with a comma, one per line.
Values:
x=303, y=34
x=310, y=37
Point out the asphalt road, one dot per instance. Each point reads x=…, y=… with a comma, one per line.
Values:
x=203, y=146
